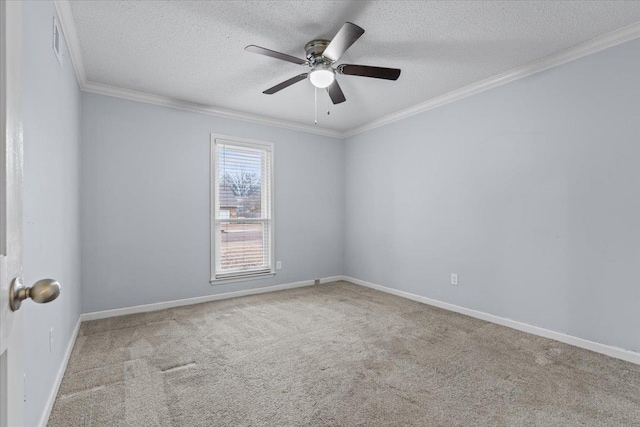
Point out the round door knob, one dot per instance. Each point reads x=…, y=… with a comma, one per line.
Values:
x=45, y=290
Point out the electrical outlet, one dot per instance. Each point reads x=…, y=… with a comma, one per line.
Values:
x=278, y=265
x=316, y=282
x=24, y=387
x=51, y=340
x=454, y=279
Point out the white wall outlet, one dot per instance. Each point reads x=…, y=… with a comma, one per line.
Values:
x=24, y=387
x=454, y=279
x=278, y=265
x=51, y=340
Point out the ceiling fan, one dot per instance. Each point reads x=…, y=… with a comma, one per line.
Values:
x=321, y=56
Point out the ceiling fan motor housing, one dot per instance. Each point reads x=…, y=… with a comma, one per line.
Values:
x=314, y=50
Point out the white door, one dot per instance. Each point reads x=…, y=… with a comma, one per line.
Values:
x=11, y=346
x=12, y=291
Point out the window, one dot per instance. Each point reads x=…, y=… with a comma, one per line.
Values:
x=242, y=214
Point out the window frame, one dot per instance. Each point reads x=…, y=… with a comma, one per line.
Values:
x=238, y=276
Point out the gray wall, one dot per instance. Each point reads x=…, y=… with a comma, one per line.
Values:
x=51, y=115
x=145, y=203
x=530, y=192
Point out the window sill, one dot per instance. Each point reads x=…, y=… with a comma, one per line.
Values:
x=243, y=278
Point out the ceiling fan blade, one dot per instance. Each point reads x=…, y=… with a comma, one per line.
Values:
x=285, y=84
x=347, y=35
x=367, y=71
x=335, y=93
x=274, y=54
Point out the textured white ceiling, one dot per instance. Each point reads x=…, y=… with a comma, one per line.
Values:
x=194, y=51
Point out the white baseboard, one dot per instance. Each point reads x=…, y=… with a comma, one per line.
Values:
x=44, y=419
x=197, y=300
x=617, y=352
x=331, y=279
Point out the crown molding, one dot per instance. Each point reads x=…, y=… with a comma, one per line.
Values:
x=164, y=101
x=614, y=38
x=67, y=22
x=65, y=17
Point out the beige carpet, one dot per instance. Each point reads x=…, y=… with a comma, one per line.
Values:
x=334, y=355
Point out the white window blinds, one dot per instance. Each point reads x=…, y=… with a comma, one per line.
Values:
x=242, y=208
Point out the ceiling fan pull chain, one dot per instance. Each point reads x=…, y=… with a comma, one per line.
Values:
x=328, y=106
x=315, y=105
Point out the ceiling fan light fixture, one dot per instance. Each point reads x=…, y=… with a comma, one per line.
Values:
x=322, y=76
x=321, y=54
